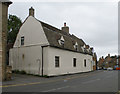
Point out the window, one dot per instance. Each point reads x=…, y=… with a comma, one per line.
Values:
x=82, y=49
x=56, y=61
x=88, y=50
x=85, y=63
x=62, y=42
x=74, y=62
x=22, y=40
x=76, y=47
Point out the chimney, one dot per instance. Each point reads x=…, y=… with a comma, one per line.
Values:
x=31, y=12
x=108, y=55
x=65, y=28
x=87, y=46
x=91, y=49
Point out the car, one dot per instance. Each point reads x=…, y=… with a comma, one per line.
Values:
x=118, y=68
x=104, y=68
x=109, y=68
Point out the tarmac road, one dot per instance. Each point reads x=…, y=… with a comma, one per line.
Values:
x=98, y=81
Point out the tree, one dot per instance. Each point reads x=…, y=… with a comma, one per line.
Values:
x=14, y=23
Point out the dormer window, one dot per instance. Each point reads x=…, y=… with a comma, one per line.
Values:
x=82, y=48
x=61, y=41
x=76, y=46
x=88, y=50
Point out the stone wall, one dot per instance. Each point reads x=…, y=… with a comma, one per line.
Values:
x=0, y=41
x=3, y=38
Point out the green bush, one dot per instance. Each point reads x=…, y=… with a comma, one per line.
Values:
x=45, y=76
x=16, y=71
x=19, y=72
x=22, y=72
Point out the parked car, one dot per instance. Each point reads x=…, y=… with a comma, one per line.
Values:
x=109, y=68
x=104, y=68
x=118, y=68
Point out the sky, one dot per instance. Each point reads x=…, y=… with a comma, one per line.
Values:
x=93, y=21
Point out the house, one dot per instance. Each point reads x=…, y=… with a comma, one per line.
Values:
x=43, y=49
x=108, y=61
x=94, y=61
x=4, y=4
x=100, y=63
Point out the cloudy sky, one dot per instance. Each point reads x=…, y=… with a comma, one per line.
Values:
x=94, y=21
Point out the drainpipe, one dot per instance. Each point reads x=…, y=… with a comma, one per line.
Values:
x=42, y=60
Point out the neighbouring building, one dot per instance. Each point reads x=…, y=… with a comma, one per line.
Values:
x=94, y=61
x=4, y=4
x=100, y=63
x=43, y=49
x=108, y=61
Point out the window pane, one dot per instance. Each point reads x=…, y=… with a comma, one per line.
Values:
x=85, y=62
x=74, y=62
x=22, y=40
x=56, y=61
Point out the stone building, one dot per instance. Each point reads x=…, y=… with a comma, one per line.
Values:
x=4, y=4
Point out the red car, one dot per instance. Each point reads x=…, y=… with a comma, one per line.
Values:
x=118, y=68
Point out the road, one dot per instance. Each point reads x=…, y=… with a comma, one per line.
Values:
x=98, y=81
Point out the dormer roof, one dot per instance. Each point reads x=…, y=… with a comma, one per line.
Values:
x=54, y=34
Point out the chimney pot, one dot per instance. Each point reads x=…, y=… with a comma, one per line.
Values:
x=31, y=11
x=65, y=24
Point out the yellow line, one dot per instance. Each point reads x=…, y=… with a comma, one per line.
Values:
x=45, y=82
x=30, y=83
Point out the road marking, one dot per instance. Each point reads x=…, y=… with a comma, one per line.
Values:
x=34, y=83
x=56, y=89
x=31, y=83
x=108, y=76
x=91, y=81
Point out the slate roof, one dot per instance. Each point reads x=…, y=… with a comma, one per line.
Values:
x=54, y=34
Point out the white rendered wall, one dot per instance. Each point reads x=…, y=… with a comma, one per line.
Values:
x=66, y=62
x=29, y=56
x=30, y=62
x=32, y=32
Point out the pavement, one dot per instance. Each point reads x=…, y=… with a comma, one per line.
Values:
x=97, y=81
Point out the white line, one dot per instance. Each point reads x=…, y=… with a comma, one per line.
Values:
x=49, y=90
x=90, y=81
x=55, y=89
x=108, y=76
